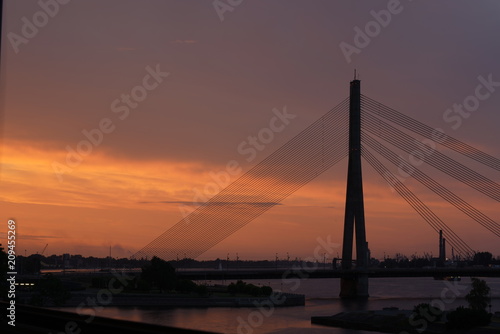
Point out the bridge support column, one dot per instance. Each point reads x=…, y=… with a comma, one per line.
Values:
x=355, y=283
x=354, y=286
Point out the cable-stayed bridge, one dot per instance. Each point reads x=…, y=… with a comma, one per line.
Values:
x=358, y=127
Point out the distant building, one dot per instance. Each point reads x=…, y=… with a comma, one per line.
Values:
x=66, y=257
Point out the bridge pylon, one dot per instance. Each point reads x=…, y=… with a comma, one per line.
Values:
x=354, y=283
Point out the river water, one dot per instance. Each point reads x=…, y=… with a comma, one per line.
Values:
x=321, y=300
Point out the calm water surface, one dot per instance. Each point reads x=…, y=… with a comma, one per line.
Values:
x=321, y=300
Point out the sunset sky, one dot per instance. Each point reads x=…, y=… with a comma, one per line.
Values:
x=205, y=79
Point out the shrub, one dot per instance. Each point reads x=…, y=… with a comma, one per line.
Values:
x=466, y=318
x=100, y=282
x=266, y=290
x=186, y=286
x=143, y=285
x=427, y=311
x=202, y=290
x=249, y=289
x=159, y=273
x=232, y=289
x=240, y=286
x=49, y=290
x=252, y=290
x=478, y=297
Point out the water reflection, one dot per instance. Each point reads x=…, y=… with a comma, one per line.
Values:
x=322, y=300
x=349, y=305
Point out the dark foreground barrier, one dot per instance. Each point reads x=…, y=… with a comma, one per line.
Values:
x=35, y=320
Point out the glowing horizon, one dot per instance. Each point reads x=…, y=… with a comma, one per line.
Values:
x=113, y=131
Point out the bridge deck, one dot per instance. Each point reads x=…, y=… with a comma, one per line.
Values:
x=330, y=273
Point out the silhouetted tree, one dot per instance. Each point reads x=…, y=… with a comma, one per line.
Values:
x=3, y=273
x=31, y=264
x=49, y=290
x=143, y=285
x=465, y=318
x=185, y=286
x=201, y=290
x=250, y=289
x=478, y=297
x=427, y=311
x=159, y=273
x=266, y=290
x=232, y=289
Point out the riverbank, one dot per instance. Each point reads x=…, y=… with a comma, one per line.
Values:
x=396, y=321
x=36, y=320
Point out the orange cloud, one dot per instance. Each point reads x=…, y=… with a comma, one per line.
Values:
x=125, y=203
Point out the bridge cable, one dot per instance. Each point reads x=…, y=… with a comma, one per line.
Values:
x=428, y=132
x=427, y=214
x=433, y=185
x=431, y=156
x=294, y=164
x=248, y=204
x=256, y=190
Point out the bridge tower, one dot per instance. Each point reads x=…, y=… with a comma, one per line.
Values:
x=354, y=284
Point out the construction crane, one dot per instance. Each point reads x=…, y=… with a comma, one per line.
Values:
x=44, y=248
